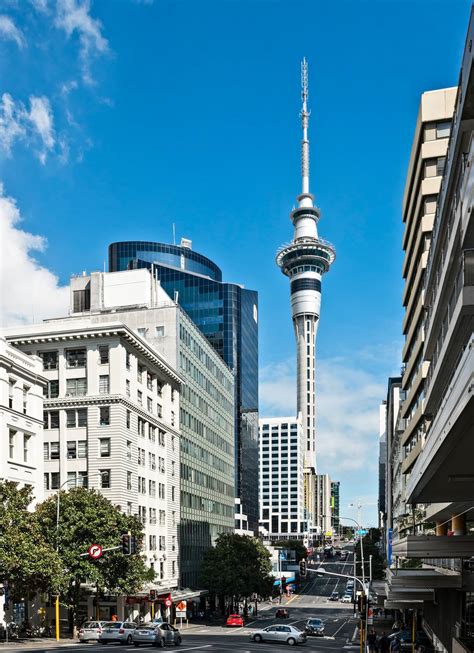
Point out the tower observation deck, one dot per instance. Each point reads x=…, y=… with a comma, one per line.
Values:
x=304, y=260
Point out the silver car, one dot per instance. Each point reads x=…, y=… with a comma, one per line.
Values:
x=156, y=635
x=91, y=631
x=117, y=631
x=284, y=634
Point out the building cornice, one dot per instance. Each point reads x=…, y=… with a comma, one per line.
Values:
x=105, y=400
x=67, y=334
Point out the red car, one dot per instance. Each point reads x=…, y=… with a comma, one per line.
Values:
x=235, y=620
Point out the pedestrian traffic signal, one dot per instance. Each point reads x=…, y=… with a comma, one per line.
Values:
x=302, y=567
x=126, y=544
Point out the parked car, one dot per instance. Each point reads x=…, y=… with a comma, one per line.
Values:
x=117, y=631
x=334, y=596
x=90, y=631
x=282, y=613
x=347, y=598
x=284, y=634
x=156, y=635
x=235, y=620
x=314, y=626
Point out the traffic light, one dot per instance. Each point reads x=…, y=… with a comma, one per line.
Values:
x=152, y=595
x=126, y=544
x=361, y=603
x=303, y=567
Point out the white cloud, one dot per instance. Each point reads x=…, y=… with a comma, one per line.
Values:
x=40, y=5
x=41, y=118
x=12, y=122
x=347, y=405
x=37, y=124
x=9, y=31
x=29, y=292
x=73, y=17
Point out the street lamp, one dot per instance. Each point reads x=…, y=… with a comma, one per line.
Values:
x=58, y=495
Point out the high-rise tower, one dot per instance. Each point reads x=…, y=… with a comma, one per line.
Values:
x=304, y=261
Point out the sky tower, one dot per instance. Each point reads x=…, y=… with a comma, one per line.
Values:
x=304, y=261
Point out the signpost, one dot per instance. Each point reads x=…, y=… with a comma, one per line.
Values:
x=362, y=531
x=94, y=551
x=181, y=610
x=168, y=602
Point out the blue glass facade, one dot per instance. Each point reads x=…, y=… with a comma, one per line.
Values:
x=227, y=315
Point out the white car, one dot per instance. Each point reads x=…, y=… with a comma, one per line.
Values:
x=91, y=630
x=117, y=631
x=284, y=634
x=347, y=598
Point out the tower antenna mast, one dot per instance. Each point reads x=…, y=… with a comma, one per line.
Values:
x=304, y=124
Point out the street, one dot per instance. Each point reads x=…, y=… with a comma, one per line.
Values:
x=312, y=602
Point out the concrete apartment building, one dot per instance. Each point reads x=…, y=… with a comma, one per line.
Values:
x=111, y=410
x=323, y=514
x=425, y=172
x=440, y=478
x=281, y=478
x=21, y=418
x=206, y=410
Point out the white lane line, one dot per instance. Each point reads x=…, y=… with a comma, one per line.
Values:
x=195, y=648
x=341, y=627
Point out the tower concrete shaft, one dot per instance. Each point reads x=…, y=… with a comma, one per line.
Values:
x=304, y=261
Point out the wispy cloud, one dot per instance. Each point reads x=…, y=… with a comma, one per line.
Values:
x=29, y=292
x=10, y=32
x=12, y=125
x=33, y=126
x=347, y=404
x=74, y=18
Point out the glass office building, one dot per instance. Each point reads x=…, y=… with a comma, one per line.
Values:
x=227, y=315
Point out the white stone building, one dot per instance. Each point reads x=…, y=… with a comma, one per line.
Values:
x=206, y=413
x=111, y=422
x=281, y=478
x=21, y=418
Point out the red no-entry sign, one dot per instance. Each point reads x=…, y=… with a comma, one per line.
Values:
x=94, y=551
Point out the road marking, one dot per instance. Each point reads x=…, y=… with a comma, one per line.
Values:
x=341, y=627
x=195, y=648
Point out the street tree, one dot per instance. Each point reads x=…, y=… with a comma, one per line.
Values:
x=237, y=567
x=27, y=561
x=86, y=517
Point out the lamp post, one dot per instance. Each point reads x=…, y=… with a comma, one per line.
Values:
x=58, y=495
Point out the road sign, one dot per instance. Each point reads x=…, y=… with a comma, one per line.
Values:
x=94, y=551
x=362, y=531
x=168, y=602
x=370, y=616
x=181, y=609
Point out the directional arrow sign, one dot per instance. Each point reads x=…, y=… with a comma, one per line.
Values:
x=94, y=551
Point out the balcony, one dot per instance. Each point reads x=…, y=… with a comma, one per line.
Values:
x=443, y=471
x=433, y=547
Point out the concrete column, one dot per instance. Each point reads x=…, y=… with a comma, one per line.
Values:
x=441, y=529
x=458, y=524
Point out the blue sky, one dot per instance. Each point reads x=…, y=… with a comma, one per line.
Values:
x=120, y=117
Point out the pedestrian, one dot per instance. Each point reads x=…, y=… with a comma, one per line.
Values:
x=395, y=646
x=372, y=641
x=384, y=643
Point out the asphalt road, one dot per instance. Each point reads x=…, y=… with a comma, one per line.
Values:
x=312, y=602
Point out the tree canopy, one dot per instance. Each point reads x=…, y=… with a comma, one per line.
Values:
x=27, y=561
x=238, y=566
x=87, y=517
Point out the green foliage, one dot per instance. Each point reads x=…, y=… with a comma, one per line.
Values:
x=27, y=561
x=87, y=517
x=293, y=545
x=238, y=566
x=371, y=548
